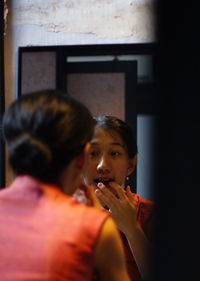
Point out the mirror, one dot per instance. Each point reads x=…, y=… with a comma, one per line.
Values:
x=115, y=79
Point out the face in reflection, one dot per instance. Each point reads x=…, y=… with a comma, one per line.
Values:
x=107, y=159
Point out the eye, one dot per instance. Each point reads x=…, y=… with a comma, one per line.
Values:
x=93, y=153
x=115, y=153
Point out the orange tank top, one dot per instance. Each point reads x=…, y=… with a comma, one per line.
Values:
x=46, y=235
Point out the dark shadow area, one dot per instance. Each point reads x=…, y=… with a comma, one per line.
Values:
x=177, y=190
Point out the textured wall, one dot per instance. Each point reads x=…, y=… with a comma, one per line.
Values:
x=88, y=21
x=38, y=71
x=102, y=93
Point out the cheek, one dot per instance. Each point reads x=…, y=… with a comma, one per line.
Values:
x=89, y=172
x=121, y=173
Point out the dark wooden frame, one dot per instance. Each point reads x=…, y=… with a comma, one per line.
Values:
x=146, y=91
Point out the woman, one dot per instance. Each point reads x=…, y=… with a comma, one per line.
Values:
x=111, y=159
x=44, y=233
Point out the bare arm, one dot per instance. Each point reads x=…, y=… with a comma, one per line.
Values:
x=109, y=255
x=141, y=250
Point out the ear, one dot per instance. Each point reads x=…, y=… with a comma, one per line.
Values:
x=80, y=159
x=132, y=165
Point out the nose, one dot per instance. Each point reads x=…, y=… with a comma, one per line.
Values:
x=103, y=165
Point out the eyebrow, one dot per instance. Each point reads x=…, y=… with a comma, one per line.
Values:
x=112, y=143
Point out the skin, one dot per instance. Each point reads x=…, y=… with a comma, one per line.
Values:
x=109, y=255
x=106, y=169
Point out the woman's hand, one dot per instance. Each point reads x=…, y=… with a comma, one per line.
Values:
x=123, y=208
x=121, y=205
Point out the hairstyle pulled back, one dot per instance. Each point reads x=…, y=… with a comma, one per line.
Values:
x=111, y=123
x=44, y=131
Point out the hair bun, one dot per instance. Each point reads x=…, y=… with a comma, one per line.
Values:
x=28, y=155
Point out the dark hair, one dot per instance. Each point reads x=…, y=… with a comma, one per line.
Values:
x=44, y=131
x=122, y=128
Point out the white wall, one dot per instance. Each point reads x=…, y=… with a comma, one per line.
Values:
x=83, y=21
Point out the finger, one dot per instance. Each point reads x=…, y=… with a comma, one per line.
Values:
x=118, y=189
x=107, y=192
x=130, y=195
x=93, y=198
x=100, y=199
x=104, y=199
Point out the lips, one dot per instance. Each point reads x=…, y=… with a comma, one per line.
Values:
x=105, y=181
